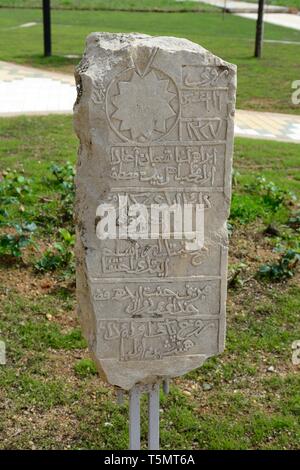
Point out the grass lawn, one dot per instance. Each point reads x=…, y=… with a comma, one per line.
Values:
x=145, y=5
x=262, y=84
x=129, y=4
x=50, y=395
x=287, y=3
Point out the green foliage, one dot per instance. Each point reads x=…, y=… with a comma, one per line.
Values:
x=272, y=196
x=16, y=189
x=85, y=368
x=60, y=255
x=266, y=200
x=64, y=182
x=13, y=187
x=245, y=208
x=284, y=268
x=259, y=199
x=64, y=175
x=14, y=243
x=294, y=221
x=235, y=270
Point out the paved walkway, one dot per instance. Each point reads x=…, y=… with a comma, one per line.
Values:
x=273, y=14
x=24, y=90
x=234, y=6
x=280, y=19
x=274, y=126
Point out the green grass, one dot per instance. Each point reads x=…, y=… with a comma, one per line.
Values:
x=50, y=394
x=128, y=4
x=85, y=368
x=262, y=84
x=131, y=5
x=287, y=3
x=276, y=161
x=30, y=138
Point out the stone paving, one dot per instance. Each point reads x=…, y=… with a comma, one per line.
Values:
x=273, y=14
x=234, y=6
x=25, y=90
x=279, y=19
x=274, y=126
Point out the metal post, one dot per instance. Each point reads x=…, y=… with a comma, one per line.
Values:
x=166, y=386
x=47, y=28
x=259, y=29
x=120, y=396
x=153, y=418
x=134, y=419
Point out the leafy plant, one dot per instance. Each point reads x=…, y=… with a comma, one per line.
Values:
x=272, y=196
x=64, y=175
x=235, y=270
x=245, y=208
x=284, y=268
x=261, y=198
x=14, y=243
x=64, y=181
x=61, y=255
x=13, y=187
x=294, y=221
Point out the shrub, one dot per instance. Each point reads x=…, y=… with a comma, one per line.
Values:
x=13, y=243
x=284, y=268
x=61, y=255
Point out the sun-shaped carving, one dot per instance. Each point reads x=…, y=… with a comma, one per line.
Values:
x=143, y=108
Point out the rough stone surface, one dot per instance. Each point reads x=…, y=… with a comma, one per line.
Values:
x=154, y=116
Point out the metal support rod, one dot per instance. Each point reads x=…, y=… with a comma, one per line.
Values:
x=166, y=386
x=120, y=397
x=134, y=419
x=153, y=418
x=259, y=29
x=47, y=27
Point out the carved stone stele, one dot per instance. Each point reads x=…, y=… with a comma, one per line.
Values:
x=154, y=116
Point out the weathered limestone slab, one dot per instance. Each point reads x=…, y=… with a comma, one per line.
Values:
x=154, y=116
